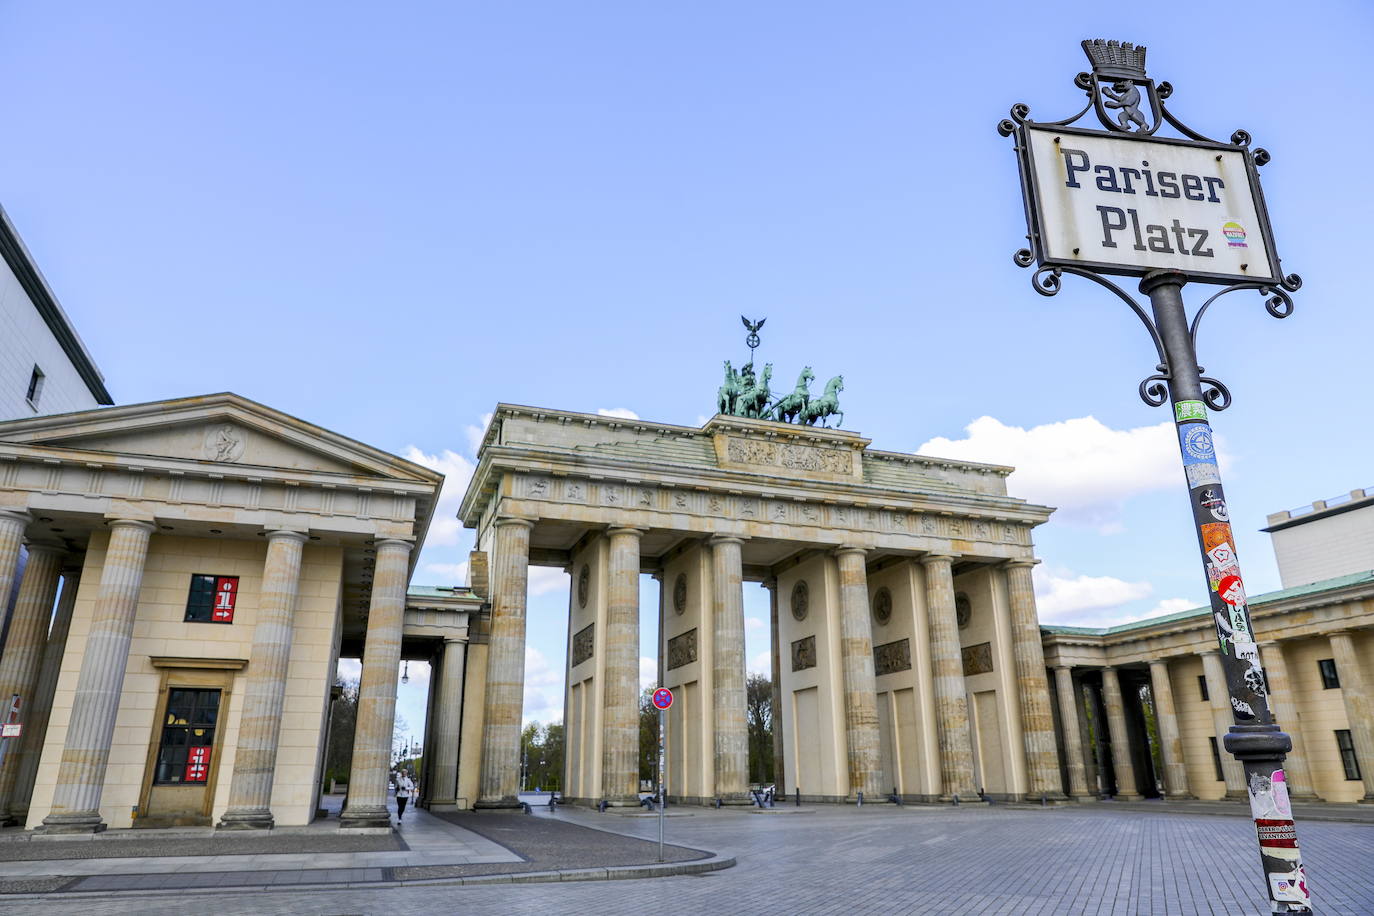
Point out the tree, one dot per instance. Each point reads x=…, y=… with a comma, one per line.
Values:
x=758, y=700
x=648, y=736
x=541, y=754
x=343, y=717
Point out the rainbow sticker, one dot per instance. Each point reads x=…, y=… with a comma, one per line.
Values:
x=1235, y=234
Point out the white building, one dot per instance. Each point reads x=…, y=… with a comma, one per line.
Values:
x=44, y=366
x=1330, y=538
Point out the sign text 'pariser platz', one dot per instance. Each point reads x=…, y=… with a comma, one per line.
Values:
x=1129, y=205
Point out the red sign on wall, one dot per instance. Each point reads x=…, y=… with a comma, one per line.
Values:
x=197, y=764
x=226, y=594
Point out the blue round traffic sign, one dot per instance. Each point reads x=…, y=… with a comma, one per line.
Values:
x=663, y=698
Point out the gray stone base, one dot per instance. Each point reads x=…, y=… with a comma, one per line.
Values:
x=247, y=819
x=373, y=816
x=61, y=824
x=507, y=803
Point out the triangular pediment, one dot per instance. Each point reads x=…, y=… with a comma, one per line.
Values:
x=220, y=429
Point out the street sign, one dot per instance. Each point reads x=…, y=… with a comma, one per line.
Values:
x=663, y=698
x=11, y=730
x=1126, y=204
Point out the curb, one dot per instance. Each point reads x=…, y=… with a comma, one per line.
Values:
x=604, y=873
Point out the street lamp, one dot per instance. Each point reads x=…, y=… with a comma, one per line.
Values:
x=1095, y=204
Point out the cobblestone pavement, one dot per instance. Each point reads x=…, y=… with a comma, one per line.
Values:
x=1074, y=860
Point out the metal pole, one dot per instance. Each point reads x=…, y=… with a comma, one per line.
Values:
x=1253, y=739
x=661, y=716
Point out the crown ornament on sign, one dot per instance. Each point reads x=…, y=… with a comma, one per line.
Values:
x=1114, y=59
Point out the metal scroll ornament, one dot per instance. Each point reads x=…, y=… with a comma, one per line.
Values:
x=1127, y=102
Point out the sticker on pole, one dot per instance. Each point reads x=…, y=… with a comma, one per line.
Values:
x=11, y=730
x=663, y=698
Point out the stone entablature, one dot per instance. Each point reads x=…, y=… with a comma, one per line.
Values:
x=1319, y=610
x=748, y=477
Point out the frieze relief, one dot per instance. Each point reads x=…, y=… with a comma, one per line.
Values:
x=977, y=659
x=804, y=653
x=792, y=457
x=583, y=644
x=892, y=657
x=682, y=649
x=778, y=511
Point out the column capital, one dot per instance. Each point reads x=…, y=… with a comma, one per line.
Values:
x=22, y=516
x=275, y=534
x=511, y=520
x=45, y=546
x=1344, y=631
x=627, y=529
x=146, y=525
x=395, y=542
x=715, y=539
x=1063, y=667
x=455, y=641
x=932, y=559
x=1018, y=562
x=850, y=549
x=770, y=583
x=1161, y=662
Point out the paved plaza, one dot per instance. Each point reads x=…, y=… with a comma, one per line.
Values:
x=1088, y=859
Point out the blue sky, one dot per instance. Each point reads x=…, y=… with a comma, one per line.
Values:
x=385, y=220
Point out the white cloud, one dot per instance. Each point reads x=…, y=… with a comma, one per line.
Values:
x=543, y=688
x=444, y=528
x=545, y=579
x=762, y=663
x=623, y=413
x=1079, y=600
x=1170, y=606
x=753, y=624
x=474, y=434
x=456, y=573
x=648, y=672
x=1082, y=466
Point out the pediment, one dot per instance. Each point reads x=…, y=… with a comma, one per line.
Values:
x=216, y=429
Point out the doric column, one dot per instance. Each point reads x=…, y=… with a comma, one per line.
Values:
x=1283, y=705
x=620, y=695
x=775, y=701
x=1032, y=687
x=727, y=671
x=255, y=762
x=1359, y=705
x=1171, y=743
x=81, y=776
x=36, y=721
x=1116, y=726
x=376, y=714
x=1086, y=695
x=12, y=525
x=448, y=723
x=947, y=669
x=1231, y=768
x=505, y=699
x=23, y=656
x=1073, y=739
x=860, y=682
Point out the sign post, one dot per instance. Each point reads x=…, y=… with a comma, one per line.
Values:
x=663, y=698
x=1173, y=211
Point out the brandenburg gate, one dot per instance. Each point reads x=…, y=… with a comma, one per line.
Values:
x=906, y=649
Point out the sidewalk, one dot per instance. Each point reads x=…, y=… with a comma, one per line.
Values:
x=424, y=848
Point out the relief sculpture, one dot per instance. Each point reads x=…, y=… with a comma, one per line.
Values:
x=977, y=659
x=804, y=653
x=682, y=649
x=892, y=657
x=583, y=644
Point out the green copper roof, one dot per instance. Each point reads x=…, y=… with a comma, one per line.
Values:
x=1268, y=597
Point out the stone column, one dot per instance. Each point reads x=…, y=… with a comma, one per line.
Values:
x=376, y=715
x=23, y=656
x=1171, y=743
x=860, y=682
x=505, y=697
x=947, y=669
x=727, y=672
x=12, y=525
x=1032, y=687
x=775, y=701
x=1285, y=713
x=81, y=776
x=1359, y=705
x=1116, y=726
x=36, y=721
x=448, y=723
x=1085, y=694
x=1221, y=723
x=620, y=693
x=255, y=763
x=1073, y=738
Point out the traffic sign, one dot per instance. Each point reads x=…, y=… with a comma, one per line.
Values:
x=663, y=698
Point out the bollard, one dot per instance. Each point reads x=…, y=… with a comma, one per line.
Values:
x=718, y=804
x=601, y=807
x=1044, y=803
x=526, y=806
x=956, y=799
x=861, y=799
x=798, y=796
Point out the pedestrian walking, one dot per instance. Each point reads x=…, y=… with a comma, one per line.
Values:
x=405, y=787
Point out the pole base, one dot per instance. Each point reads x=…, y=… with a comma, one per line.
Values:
x=62, y=824
x=362, y=817
x=246, y=819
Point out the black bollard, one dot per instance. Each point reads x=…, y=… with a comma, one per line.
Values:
x=861, y=799
x=602, y=806
x=798, y=796
x=956, y=799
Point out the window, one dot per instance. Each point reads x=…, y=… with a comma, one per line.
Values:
x=1327, y=667
x=35, y=386
x=1202, y=687
x=212, y=599
x=188, y=736
x=1347, y=748
x=1216, y=759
